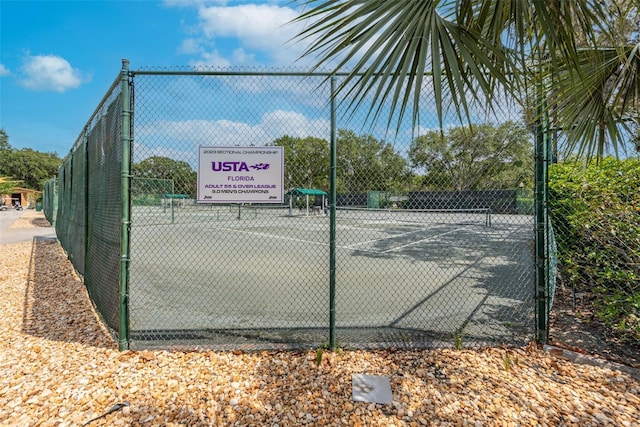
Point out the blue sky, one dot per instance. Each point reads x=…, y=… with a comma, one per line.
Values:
x=58, y=58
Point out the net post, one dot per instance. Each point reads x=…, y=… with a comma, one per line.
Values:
x=171, y=199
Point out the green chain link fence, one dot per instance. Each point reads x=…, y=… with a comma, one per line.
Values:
x=87, y=216
x=50, y=201
x=416, y=238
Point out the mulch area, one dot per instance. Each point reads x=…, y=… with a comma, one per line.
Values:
x=59, y=366
x=29, y=219
x=576, y=327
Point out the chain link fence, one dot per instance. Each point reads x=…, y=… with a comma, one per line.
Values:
x=50, y=201
x=87, y=217
x=367, y=238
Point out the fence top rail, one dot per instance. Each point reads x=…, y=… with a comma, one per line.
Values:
x=106, y=96
x=252, y=73
x=235, y=73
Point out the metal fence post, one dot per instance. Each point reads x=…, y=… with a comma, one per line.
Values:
x=332, y=220
x=86, y=195
x=542, y=276
x=171, y=199
x=125, y=138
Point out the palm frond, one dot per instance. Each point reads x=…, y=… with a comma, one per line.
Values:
x=394, y=46
x=591, y=103
x=470, y=51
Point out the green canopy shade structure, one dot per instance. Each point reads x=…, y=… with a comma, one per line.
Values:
x=175, y=196
x=306, y=192
x=170, y=199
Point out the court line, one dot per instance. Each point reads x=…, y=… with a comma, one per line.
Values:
x=272, y=236
x=385, y=238
x=424, y=240
x=400, y=235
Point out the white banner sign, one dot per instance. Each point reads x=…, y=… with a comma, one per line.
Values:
x=240, y=174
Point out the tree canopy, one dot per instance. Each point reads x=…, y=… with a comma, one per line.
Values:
x=7, y=185
x=306, y=161
x=158, y=167
x=4, y=141
x=32, y=168
x=478, y=157
x=363, y=163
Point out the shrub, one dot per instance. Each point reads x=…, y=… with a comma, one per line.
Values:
x=595, y=212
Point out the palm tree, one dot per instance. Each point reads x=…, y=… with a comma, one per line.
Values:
x=475, y=50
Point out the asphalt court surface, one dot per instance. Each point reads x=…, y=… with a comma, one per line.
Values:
x=211, y=270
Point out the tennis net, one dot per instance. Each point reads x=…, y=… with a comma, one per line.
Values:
x=477, y=216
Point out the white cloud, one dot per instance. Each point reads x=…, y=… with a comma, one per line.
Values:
x=180, y=139
x=278, y=123
x=211, y=59
x=247, y=22
x=4, y=71
x=240, y=56
x=247, y=33
x=190, y=47
x=50, y=73
x=208, y=56
x=257, y=29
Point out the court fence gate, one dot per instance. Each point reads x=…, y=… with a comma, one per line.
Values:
x=420, y=242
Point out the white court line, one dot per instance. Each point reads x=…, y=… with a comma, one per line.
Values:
x=350, y=246
x=384, y=238
x=404, y=234
x=424, y=240
x=272, y=236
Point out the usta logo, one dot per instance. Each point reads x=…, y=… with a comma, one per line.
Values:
x=237, y=166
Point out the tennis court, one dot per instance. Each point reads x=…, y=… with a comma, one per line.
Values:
x=419, y=253
x=256, y=273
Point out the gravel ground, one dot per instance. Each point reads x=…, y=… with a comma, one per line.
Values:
x=30, y=219
x=60, y=367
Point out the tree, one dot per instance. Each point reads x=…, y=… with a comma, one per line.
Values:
x=474, y=50
x=365, y=163
x=7, y=185
x=5, y=151
x=595, y=102
x=4, y=141
x=29, y=166
x=183, y=176
x=306, y=162
x=481, y=157
x=622, y=25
